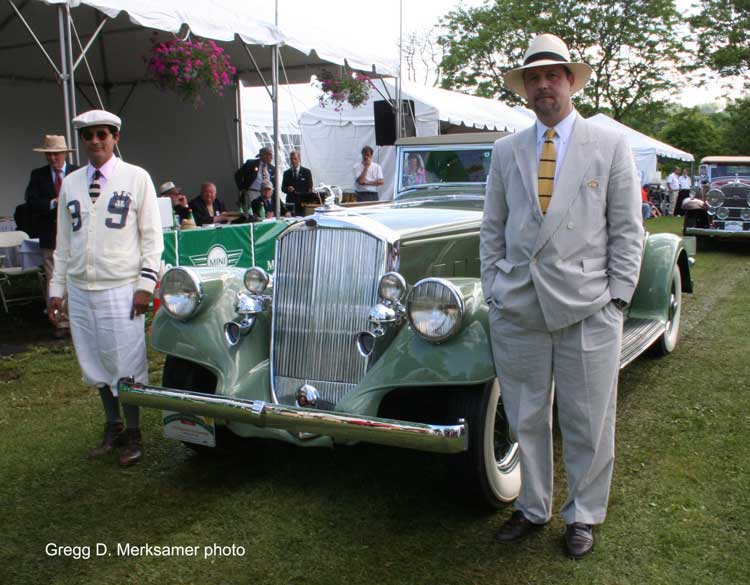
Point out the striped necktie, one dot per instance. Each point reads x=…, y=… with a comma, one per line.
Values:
x=95, y=188
x=547, y=162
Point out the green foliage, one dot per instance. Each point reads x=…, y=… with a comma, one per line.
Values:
x=737, y=128
x=693, y=132
x=723, y=32
x=631, y=46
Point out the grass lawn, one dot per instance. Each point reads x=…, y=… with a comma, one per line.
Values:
x=679, y=509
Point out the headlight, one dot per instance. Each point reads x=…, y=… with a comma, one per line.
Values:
x=256, y=280
x=711, y=210
x=181, y=293
x=745, y=213
x=722, y=213
x=392, y=287
x=435, y=308
x=715, y=198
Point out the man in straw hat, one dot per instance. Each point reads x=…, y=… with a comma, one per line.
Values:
x=42, y=194
x=109, y=246
x=561, y=245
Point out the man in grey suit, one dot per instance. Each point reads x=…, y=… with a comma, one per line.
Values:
x=561, y=246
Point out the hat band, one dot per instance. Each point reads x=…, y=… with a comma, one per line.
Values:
x=546, y=55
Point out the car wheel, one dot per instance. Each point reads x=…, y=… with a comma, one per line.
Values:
x=181, y=374
x=493, y=455
x=668, y=340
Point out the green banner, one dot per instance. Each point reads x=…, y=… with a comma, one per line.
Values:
x=242, y=245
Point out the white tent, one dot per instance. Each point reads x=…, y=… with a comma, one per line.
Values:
x=333, y=139
x=645, y=149
x=168, y=137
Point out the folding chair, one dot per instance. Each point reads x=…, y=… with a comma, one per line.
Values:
x=13, y=240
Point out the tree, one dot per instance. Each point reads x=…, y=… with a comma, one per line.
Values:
x=631, y=45
x=723, y=31
x=422, y=56
x=694, y=132
x=737, y=128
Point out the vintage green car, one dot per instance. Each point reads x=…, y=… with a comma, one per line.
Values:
x=372, y=328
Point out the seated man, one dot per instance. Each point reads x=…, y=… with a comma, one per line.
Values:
x=207, y=208
x=179, y=200
x=264, y=206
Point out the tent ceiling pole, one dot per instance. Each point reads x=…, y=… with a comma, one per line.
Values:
x=258, y=69
x=71, y=81
x=10, y=17
x=66, y=97
x=38, y=42
x=93, y=38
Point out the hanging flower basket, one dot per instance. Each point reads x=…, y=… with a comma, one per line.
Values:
x=343, y=88
x=189, y=67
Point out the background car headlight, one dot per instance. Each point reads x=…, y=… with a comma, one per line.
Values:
x=181, y=293
x=391, y=287
x=745, y=214
x=435, y=308
x=256, y=280
x=722, y=213
x=715, y=198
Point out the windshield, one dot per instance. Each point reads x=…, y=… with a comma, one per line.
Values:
x=446, y=165
x=730, y=171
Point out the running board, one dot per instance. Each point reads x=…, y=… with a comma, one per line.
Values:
x=637, y=336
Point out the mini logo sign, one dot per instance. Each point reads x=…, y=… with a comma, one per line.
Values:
x=218, y=256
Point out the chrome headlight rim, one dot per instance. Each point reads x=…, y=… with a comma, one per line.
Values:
x=454, y=290
x=397, y=282
x=195, y=281
x=716, y=195
x=722, y=213
x=264, y=279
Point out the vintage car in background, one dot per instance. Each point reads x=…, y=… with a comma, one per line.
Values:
x=725, y=188
x=373, y=327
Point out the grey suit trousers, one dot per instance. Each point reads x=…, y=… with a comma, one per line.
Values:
x=583, y=362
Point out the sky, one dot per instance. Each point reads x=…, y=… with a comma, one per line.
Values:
x=373, y=27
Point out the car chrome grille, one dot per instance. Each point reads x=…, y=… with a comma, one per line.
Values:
x=325, y=282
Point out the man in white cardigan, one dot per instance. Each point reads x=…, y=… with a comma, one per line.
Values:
x=109, y=246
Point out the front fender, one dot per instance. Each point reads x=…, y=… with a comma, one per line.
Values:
x=410, y=361
x=651, y=297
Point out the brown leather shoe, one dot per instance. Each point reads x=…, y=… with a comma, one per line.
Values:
x=579, y=539
x=113, y=437
x=516, y=527
x=133, y=451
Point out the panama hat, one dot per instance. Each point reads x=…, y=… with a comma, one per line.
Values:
x=96, y=118
x=168, y=186
x=546, y=50
x=53, y=143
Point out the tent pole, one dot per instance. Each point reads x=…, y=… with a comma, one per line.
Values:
x=73, y=156
x=238, y=122
x=71, y=81
x=399, y=121
x=275, y=102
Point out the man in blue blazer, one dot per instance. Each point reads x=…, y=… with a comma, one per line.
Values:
x=561, y=245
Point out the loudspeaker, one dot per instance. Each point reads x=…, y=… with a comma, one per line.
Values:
x=385, y=121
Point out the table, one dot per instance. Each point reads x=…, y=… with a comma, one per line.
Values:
x=242, y=245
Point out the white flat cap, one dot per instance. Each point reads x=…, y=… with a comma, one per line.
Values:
x=96, y=118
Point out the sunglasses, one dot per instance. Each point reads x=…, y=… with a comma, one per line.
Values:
x=100, y=134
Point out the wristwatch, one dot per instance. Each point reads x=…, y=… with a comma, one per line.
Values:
x=620, y=304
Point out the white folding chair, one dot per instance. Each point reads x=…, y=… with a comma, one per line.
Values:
x=13, y=240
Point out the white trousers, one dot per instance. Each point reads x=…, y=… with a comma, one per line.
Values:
x=583, y=362
x=109, y=345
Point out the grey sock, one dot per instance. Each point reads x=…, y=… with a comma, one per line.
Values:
x=111, y=405
x=132, y=416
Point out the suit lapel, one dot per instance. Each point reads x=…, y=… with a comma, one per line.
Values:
x=567, y=190
x=528, y=165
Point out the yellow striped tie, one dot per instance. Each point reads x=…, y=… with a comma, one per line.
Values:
x=547, y=170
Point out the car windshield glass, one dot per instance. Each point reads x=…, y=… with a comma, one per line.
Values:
x=730, y=170
x=424, y=167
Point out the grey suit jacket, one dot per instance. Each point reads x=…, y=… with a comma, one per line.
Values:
x=548, y=272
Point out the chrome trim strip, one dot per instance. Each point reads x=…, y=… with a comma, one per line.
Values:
x=342, y=427
x=348, y=219
x=440, y=238
x=710, y=232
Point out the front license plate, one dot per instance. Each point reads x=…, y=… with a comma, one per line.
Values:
x=191, y=428
x=733, y=226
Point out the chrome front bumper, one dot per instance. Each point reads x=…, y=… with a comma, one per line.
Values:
x=691, y=231
x=341, y=427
